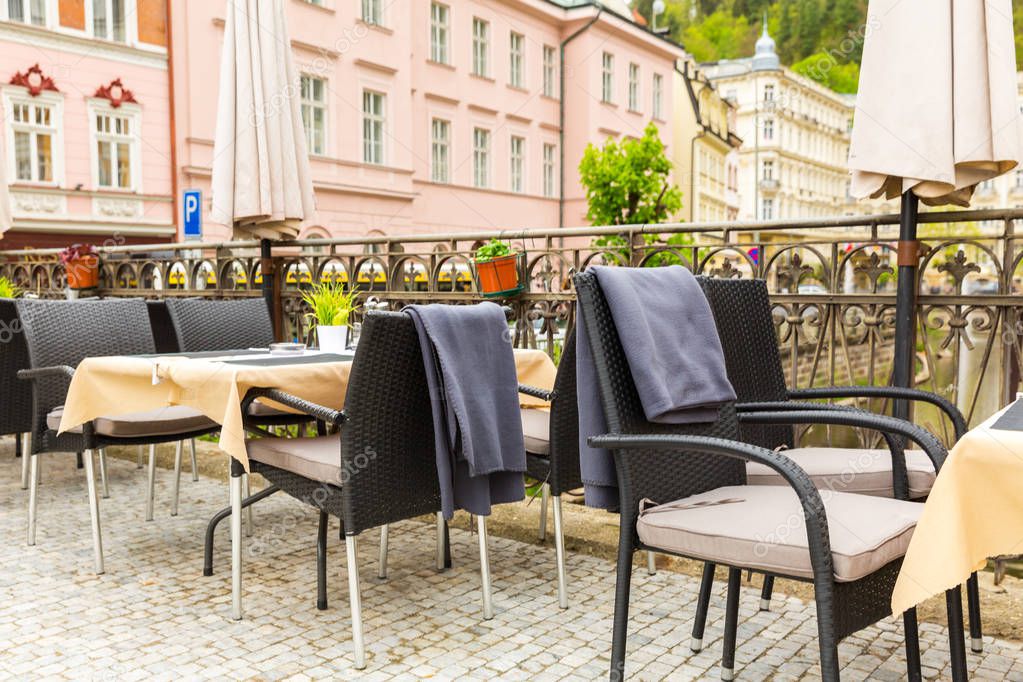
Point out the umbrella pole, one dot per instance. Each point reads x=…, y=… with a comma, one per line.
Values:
x=905, y=301
x=266, y=269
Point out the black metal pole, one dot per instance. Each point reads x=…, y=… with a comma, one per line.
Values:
x=905, y=301
x=266, y=269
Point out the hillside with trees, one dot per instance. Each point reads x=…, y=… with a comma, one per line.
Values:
x=822, y=39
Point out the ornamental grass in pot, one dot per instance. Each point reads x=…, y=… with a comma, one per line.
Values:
x=330, y=308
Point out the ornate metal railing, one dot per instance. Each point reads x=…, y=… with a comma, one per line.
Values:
x=832, y=282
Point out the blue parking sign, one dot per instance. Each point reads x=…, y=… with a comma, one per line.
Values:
x=191, y=203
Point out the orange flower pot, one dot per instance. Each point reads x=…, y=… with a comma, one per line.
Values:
x=499, y=275
x=83, y=272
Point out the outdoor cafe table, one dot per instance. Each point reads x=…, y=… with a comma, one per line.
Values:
x=974, y=511
x=216, y=383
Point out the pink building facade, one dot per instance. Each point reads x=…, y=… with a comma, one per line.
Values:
x=85, y=131
x=440, y=116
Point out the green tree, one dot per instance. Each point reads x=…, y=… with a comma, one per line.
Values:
x=825, y=70
x=629, y=183
x=719, y=36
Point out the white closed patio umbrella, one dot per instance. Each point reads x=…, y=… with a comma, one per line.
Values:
x=261, y=181
x=5, y=199
x=936, y=114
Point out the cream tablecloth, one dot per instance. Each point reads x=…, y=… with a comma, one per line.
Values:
x=215, y=386
x=974, y=511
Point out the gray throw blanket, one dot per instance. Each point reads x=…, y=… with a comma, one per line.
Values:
x=470, y=369
x=671, y=344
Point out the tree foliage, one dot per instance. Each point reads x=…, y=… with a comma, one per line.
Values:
x=824, y=69
x=629, y=183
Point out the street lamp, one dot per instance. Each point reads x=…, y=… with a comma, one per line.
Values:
x=658, y=9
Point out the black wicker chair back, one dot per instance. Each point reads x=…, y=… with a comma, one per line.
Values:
x=205, y=325
x=387, y=449
x=742, y=313
x=162, y=326
x=16, y=403
x=564, y=433
x=65, y=333
x=662, y=476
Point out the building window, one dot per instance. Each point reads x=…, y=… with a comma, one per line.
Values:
x=480, y=47
x=769, y=129
x=658, y=104
x=33, y=140
x=108, y=20
x=115, y=135
x=314, y=113
x=608, y=78
x=373, y=120
x=480, y=157
x=518, y=158
x=27, y=11
x=767, y=209
x=767, y=170
x=769, y=92
x=633, y=87
x=439, y=32
x=440, y=150
x=373, y=12
x=516, y=58
x=550, y=60
x=549, y=182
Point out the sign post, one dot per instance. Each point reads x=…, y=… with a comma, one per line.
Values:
x=191, y=202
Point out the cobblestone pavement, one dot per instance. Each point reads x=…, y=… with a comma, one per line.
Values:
x=154, y=616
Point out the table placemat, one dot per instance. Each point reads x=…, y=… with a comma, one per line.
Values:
x=1011, y=419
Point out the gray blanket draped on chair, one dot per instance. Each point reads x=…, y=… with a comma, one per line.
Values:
x=470, y=370
x=671, y=344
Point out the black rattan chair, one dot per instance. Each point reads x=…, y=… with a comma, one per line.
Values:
x=701, y=469
x=552, y=450
x=742, y=313
x=16, y=408
x=381, y=468
x=59, y=335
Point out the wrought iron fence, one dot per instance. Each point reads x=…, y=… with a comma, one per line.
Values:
x=832, y=282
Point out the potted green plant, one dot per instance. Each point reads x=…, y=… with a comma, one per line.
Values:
x=8, y=289
x=330, y=307
x=497, y=269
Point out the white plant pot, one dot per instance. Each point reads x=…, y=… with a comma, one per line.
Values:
x=332, y=338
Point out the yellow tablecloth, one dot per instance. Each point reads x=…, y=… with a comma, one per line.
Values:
x=124, y=384
x=974, y=511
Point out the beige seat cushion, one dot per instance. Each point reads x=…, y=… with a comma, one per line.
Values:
x=851, y=470
x=316, y=458
x=536, y=430
x=762, y=527
x=165, y=421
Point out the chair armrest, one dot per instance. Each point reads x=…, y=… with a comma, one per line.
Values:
x=326, y=414
x=540, y=393
x=936, y=452
x=42, y=372
x=892, y=392
x=798, y=480
x=793, y=406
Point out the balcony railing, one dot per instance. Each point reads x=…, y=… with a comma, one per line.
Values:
x=832, y=283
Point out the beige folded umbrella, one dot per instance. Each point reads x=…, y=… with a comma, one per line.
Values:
x=937, y=110
x=261, y=181
x=5, y=199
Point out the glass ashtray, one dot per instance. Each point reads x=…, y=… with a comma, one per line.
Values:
x=287, y=348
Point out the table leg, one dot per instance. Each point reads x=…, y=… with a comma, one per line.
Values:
x=236, y=538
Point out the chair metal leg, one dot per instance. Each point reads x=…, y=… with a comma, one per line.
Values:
x=321, y=562
x=623, y=586
x=79, y=462
x=176, y=493
x=440, y=541
x=195, y=466
x=559, y=553
x=913, y=672
x=103, y=473
x=956, y=636
x=765, y=593
x=355, y=598
x=545, y=494
x=151, y=483
x=731, y=624
x=247, y=492
x=651, y=564
x=33, y=478
x=488, y=597
x=973, y=605
x=382, y=570
x=97, y=537
x=26, y=458
x=236, y=539
x=138, y=457
x=702, y=605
